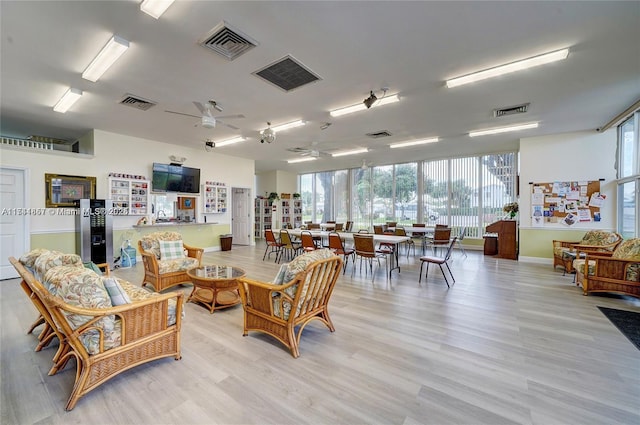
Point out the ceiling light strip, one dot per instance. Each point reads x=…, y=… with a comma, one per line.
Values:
x=503, y=129
x=508, y=68
x=350, y=152
x=288, y=125
x=107, y=57
x=413, y=143
x=67, y=100
x=393, y=98
x=230, y=141
x=309, y=158
x=155, y=8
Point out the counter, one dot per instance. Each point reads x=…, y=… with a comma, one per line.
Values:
x=172, y=224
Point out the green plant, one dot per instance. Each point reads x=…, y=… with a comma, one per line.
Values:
x=273, y=196
x=296, y=195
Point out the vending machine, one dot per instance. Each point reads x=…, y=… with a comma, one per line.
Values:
x=94, y=230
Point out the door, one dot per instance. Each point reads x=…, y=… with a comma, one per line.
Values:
x=14, y=219
x=241, y=215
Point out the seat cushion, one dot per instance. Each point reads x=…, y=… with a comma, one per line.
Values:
x=180, y=264
x=29, y=259
x=52, y=259
x=151, y=243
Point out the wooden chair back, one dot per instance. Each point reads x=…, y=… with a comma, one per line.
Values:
x=364, y=245
x=339, y=227
x=313, y=226
x=285, y=239
x=349, y=226
x=378, y=229
x=418, y=233
x=392, y=223
x=270, y=238
x=442, y=235
x=335, y=243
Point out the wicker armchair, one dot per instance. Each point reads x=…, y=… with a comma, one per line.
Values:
x=146, y=329
x=564, y=252
x=163, y=274
x=278, y=309
x=617, y=271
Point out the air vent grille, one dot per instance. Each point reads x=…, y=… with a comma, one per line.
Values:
x=227, y=42
x=287, y=73
x=378, y=134
x=137, y=102
x=511, y=110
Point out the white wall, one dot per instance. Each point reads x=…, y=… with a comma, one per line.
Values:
x=276, y=181
x=570, y=157
x=121, y=154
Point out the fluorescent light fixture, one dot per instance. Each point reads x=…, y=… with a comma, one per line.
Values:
x=107, y=57
x=510, y=67
x=288, y=125
x=351, y=152
x=308, y=158
x=230, y=141
x=413, y=143
x=516, y=127
x=155, y=8
x=67, y=100
x=393, y=98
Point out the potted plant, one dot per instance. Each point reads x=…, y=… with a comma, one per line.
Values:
x=296, y=195
x=273, y=196
x=511, y=209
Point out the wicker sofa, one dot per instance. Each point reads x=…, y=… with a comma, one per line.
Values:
x=564, y=252
x=164, y=273
x=617, y=271
x=105, y=339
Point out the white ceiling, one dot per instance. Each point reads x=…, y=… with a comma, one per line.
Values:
x=355, y=47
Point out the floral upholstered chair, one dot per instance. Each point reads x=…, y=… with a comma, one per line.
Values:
x=166, y=259
x=299, y=294
x=564, y=252
x=617, y=271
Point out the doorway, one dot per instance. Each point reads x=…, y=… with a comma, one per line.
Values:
x=14, y=218
x=241, y=215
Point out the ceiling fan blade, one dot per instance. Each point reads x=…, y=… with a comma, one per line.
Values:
x=233, y=127
x=201, y=108
x=182, y=113
x=230, y=116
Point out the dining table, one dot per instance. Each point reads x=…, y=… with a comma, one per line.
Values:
x=348, y=236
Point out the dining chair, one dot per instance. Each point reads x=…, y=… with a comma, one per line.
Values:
x=379, y=230
x=432, y=259
x=349, y=226
x=460, y=236
x=420, y=235
x=272, y=243
x=400, y=231
x=308, y=244
x=339, y=227
x=288, y=246
x=365, y=249
x=336, y=245
x=441, y=237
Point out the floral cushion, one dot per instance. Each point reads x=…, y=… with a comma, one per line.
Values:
x=136, y=293
x=29, y=259
x=629, y=250
x=579, y=265
x=151, y=242
x=84, y=288
x=599, y=237
x=180, y=264
x=299, y=264
x=51, y=259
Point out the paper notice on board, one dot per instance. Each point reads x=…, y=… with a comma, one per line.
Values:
x=537, y=199
x=597, y=199
x=553, y=200
x=584, y=214
x=537, y=216
x=583, y=190
x=573, y=194
x=570, y=219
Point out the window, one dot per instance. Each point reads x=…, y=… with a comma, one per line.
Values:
x=629, y=177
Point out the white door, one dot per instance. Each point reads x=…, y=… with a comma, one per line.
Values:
x=14, y=220
x=241, y=215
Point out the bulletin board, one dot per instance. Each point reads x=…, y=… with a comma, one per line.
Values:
x=566, y=202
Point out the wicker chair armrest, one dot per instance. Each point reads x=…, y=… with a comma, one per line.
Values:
x=150, y=262
x=592, y=249
x=102, y=312
x=611, y=268
x=564, y=244
x=194, y=252
x=259, y=295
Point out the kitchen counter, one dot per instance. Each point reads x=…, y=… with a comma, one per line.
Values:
x=173, y=224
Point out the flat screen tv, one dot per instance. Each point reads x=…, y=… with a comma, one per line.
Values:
x=175, y=178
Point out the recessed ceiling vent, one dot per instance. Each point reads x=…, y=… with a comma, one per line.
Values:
x=227, y=41
x=378, y=134
x=511, y=110
x=137, y=102
x=287, y=73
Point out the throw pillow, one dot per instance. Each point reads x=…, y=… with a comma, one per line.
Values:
x=279, y=279
x=171, y=250
x=116, y=293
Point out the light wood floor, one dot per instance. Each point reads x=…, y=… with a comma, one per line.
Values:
x=509, y=343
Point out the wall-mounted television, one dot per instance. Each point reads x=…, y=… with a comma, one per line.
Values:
x=175, y=178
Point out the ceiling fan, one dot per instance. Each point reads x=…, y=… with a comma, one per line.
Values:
x=207, y=119
x=312, y=151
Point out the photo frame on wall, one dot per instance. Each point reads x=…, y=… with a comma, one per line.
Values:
x=61, y=191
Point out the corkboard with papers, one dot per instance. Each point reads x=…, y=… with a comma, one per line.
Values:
x=566, y=202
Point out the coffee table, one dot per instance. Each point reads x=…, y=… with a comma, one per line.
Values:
x=215, y=286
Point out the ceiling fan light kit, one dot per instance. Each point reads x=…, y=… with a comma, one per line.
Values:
x=268, y=135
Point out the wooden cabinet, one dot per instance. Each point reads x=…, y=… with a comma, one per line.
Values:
x=214, y=198
x=130, y=194
x=507, y=238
